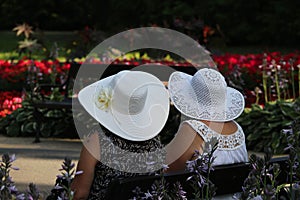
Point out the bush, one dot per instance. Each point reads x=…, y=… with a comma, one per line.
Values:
x=22, y=122
x=263, y=125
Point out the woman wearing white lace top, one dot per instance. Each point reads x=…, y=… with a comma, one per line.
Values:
x=211, y=107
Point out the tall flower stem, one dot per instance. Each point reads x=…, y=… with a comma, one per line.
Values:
x=265, y=78
x=276, y=68
x=298, y=80
x=209, y=164
x=293, y=78
x=293, y=83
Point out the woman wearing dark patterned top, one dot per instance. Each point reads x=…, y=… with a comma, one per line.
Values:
x=132, y=107
x=110, y=144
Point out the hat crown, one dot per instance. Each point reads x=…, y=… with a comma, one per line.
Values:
x=209, y=87
x=128, y=97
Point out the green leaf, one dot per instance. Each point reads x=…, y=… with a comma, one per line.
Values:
x=257, y=114
x=45, y=130
x=288, y=110
x=256, y=107
x=54, y=114
x=287, y=123
x=267, y=130
x=28, y=127
x=59, y=128
x=254, y=136
x=275, y=124
x=244, y=122
x=22, y=116
x=4, y=122
x=13, y=130
x=56, y=95
x=274, y=118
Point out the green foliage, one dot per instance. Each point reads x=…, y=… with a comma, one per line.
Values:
x=22, y=122
x=262, y=182
x=263, y=126
x=19, y=122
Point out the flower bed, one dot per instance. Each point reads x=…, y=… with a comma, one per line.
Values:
x=269, y=81
x=261, y=77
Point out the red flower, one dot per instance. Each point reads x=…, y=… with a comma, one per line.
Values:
x=9, y=101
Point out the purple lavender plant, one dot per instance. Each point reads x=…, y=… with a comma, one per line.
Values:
x=159, y=190
x=178, y=192
x=201, y=167
x=62, y=189
x=261, y=182
x=32, y=193
x=8, y=189
x=293, y=136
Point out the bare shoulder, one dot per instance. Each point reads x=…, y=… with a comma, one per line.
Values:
x=182, y=147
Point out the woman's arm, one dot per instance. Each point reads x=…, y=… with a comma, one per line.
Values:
x=182, y=148
x=82, y=182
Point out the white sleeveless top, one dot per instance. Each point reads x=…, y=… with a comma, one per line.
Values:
x=231, y=148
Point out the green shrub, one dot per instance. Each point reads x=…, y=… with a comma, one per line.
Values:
x=263, y=125
x=22, y=122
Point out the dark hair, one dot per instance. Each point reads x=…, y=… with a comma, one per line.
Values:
x=171, y=126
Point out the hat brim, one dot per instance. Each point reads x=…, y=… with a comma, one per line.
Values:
x=185, y=100
x=140, y=127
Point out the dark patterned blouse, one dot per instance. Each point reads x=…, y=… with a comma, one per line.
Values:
x=119, y=160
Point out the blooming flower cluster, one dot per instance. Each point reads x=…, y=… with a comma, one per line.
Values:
x=61, y=190
x=9, y=101
x=13, y=71
x=251, y=62
x=8, y=190
x=260, y=77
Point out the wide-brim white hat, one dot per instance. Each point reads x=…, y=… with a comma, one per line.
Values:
x=205, y=96
x=131, y=104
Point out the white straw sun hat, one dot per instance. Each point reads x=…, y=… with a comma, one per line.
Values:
x=205, y=96
x=131, y=104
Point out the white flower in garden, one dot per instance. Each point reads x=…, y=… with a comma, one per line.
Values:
x=278, y=67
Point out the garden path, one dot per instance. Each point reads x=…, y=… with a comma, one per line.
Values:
x=38, y=163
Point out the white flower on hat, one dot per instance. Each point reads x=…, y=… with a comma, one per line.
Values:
x=103, y=98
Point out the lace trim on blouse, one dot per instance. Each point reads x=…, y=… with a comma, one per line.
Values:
x=226, y=142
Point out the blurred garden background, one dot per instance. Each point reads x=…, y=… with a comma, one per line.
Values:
x=255, y=44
